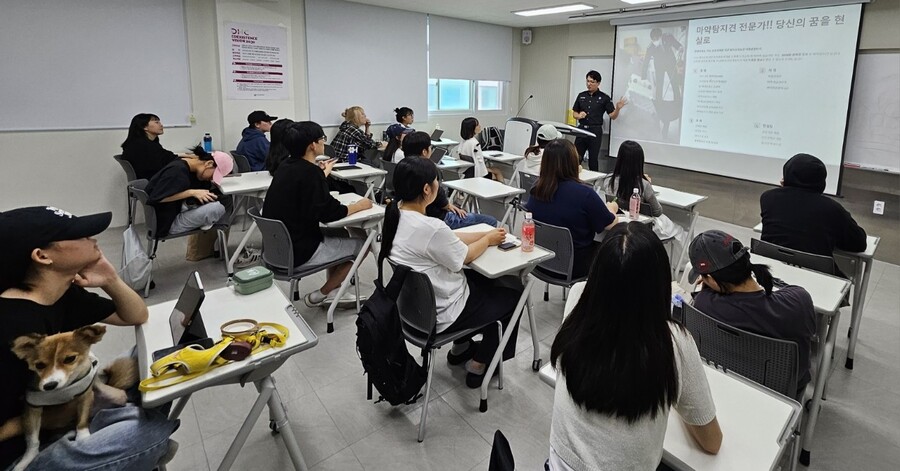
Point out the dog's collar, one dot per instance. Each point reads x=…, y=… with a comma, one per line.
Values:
x=65, y=394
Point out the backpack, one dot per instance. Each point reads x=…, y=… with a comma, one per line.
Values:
x=491, y=138
x=136, y=265
x=382, y=348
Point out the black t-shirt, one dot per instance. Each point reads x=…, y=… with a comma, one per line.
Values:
x=172, y=179
x=77, y=308
x=299, y=198
x=595, y=105
x=147, y=157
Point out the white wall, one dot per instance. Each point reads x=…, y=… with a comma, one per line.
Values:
x=75, y=170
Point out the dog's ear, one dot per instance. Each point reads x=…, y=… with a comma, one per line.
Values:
x=26, y=345
x=90, y=333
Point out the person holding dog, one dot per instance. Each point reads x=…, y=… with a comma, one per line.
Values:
x=48, y=257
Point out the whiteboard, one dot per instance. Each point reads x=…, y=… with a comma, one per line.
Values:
x=92, y=64
x=873, y=133
x=580, y=66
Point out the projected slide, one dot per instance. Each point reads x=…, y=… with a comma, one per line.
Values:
x=738, y=95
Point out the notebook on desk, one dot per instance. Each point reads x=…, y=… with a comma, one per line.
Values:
x=436, y=135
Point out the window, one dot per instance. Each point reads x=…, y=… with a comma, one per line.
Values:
x=452, y=95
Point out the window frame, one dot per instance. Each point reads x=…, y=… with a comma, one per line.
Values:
x=473, y=107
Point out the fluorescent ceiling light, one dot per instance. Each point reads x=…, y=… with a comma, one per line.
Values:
x=554, y=10
x=638, y=2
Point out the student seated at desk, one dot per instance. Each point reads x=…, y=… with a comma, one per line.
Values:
x=278, y=153
x=298, y=197
x=349, y=134
x=622, y=365
x=47, y=259
x=254, y=144
x=418, y=145
x=464, y=298
x=470, y=149
x=798, y=216
x=393, y=152
x=628, y=175
x=182, y=194
x=739, y=293
x=532, y=162
x=142, y=148
x=561, y=199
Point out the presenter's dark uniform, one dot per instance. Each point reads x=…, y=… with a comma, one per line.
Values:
x=594, y=105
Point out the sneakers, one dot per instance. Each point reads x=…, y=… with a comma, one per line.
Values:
x=455, y=360
x=474, y=378
x=310, y=303
x=249, y=256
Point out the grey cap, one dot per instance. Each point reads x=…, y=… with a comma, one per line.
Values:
x=712, y=251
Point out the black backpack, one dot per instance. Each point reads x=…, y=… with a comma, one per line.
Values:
x=382, y=348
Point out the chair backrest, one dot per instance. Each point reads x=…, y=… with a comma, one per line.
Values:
x=415, y=303
x=278, y=250
x=329, y=151
x=467, y=158
x=559, y=240
x=526, y=182
x=820, y=263
x=389, y=178
x=126, y=166
x=138, y=189
x=773, y=363
x=241, y=164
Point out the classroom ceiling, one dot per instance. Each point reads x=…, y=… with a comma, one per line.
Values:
x=499, y=12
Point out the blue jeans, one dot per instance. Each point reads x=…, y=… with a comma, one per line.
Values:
x=471, y=219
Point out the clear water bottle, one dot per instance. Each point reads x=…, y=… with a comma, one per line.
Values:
x=207, y=143
x=634, y=205
x=528, y=233
x=351, y=155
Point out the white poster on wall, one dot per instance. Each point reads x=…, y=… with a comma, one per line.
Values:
x=255, y=62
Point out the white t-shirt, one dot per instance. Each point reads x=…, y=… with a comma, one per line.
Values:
x=428, y=246
x=398, y=156
x=583, y=440
x=472, y=148
x=530, y=164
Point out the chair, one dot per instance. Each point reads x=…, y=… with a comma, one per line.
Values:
x=138, y=188
x=389, y=178
x=469, y=172
x=241, y=163
x=558, y=270
x=278, y=253
x=820, y=263
x=418, y=318
x=130, y=176
x=329, y=151
x=772, y=363
x=526, y=182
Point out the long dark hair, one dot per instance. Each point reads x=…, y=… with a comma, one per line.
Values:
x=136, y=128
x=541, y=143
x=410, y=177
x=559, y=163
x=391, y=148
x=615, y=348
x=415, y=144
x=277, y=151
x=629, y=171
x=738, y=272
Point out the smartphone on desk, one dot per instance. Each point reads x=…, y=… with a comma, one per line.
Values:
x=507, y=246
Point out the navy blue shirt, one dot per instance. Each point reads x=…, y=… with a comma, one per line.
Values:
x=574, y=206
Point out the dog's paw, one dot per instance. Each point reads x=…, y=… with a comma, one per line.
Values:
x=81, y=434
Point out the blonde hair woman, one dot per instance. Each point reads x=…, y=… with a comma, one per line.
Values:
x=350, y=134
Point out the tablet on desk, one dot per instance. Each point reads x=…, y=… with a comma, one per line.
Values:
x=185, y=321
x=347, y=167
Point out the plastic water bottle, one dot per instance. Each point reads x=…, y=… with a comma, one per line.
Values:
x=634, y=205
x=207, y=142
x=528, y=233
x=351, y=155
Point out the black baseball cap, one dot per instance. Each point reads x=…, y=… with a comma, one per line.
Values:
x=258, y=116
x=712, y=251
x=25, y=229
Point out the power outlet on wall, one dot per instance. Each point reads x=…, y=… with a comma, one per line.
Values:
x=878, y=208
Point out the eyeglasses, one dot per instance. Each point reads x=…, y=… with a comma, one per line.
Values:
x=592, y=81
x=323, y=139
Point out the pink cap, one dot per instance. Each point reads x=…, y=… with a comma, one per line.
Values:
x=224, y=165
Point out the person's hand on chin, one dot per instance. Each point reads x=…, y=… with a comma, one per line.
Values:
x=96, y=275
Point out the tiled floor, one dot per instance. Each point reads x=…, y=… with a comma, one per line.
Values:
x=324, y=391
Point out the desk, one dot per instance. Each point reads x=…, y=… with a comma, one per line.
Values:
x=365, y=174
x=757, y=423
x=444, y=142
x=457, y=166
x=254, y=184
x=827, y=292
x=685, y=205
x=496, y=157
x=483, y=188
x=862, y=263
x=220, y=306
x=368, y=220
x=494, y=263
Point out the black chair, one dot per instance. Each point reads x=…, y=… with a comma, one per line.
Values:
x=526, y=182
x=418, y=317
x=558, y=270
x=138, y=188
x=819, y=263
x=278, y=255
x=389, y=178
x=241, y=163
x=130, y=176
x=329, y=151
